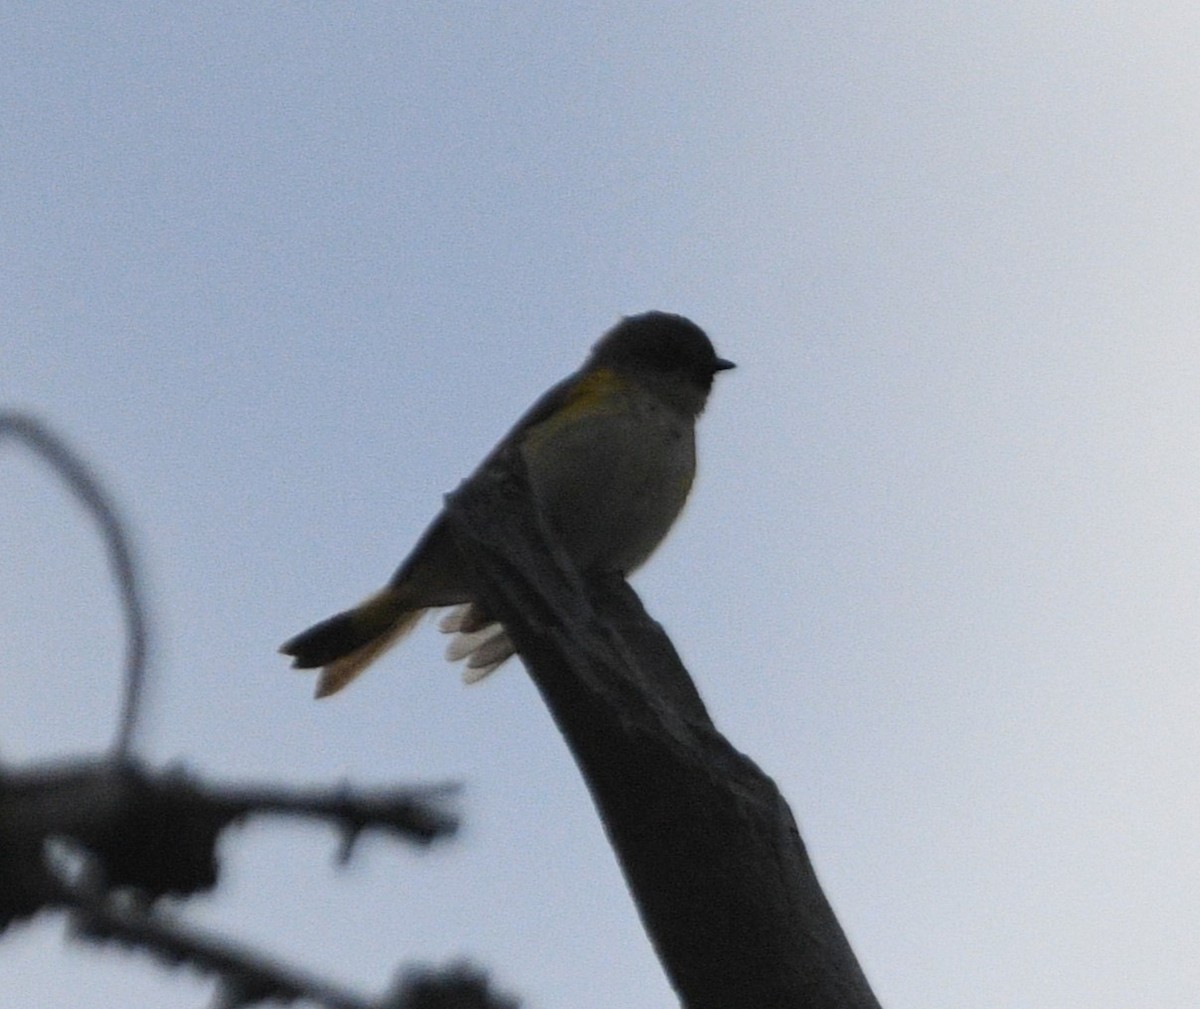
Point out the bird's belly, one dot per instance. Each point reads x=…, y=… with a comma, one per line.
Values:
x=611, y=486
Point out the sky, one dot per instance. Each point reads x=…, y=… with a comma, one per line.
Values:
x=284, y=272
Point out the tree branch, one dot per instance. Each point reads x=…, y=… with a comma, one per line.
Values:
x=247, y=977
x=105, y=839
x=707, y=844
x=156, y=833
x=138, y=835
x=85, y=486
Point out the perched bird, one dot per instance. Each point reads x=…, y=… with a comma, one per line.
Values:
x=610, y=455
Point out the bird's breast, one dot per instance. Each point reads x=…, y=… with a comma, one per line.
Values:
x=612, y=482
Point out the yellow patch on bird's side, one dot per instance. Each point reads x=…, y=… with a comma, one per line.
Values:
x=591, y=391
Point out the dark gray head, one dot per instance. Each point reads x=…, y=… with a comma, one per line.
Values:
x=665, y=350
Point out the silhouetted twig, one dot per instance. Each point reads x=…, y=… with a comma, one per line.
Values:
x=156, y=833
x=85, y=485
x=131, y=836
x=244, y=976
x=247, y=977
x=105, y=839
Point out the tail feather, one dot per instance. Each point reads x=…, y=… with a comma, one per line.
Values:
x=345, y=644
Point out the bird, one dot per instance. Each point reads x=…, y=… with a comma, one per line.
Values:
x=610, y=457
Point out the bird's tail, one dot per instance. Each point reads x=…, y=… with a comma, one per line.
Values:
x=345, y=644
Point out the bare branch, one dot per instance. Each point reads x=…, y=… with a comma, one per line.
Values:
x=85, y=485
x=708, y=846
x=247, y=977
x=244, y=977
x=156, y=833
x=106, y=839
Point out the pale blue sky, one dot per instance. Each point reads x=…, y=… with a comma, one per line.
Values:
x=283, y=274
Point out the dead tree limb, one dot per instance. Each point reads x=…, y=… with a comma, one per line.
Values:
x=105, y=839
x=707, y=844
x=89, y=492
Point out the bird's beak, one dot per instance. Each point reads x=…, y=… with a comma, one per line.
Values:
x=720, y=364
